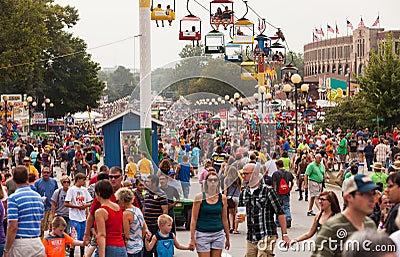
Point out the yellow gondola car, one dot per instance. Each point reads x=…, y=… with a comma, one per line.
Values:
x=243, y=32
x=248, y=70
x=160, y=14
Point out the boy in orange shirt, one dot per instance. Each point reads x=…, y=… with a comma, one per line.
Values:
x=54, y=243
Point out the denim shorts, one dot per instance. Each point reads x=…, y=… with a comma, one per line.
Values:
x=114, y=251
x=205, y=241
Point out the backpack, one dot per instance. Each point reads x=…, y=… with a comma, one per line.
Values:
x=283, y=188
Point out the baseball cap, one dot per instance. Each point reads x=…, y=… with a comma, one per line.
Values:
x=360, y=183
x=171, y=172
x=26, y=158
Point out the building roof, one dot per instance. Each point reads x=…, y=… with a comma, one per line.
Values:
x=122, y=114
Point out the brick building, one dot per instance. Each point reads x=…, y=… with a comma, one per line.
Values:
x=338, y=57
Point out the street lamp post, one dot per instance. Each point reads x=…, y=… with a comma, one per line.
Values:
x=44, y=104
x=261, y=90
x=29, y=99
x=5, y=99
x=12, y=111
x=268, y=98
x=236, y=97
x=296, y=79
x=227, y=110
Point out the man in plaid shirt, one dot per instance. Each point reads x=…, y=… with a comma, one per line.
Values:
x=261, y=202
x=381, y=150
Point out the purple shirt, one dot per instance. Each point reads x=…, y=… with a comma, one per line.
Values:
x=2, y=235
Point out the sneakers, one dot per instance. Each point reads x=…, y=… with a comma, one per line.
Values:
x=310, y=213
x=301, y=198
x=306, y=199
x=288, y=223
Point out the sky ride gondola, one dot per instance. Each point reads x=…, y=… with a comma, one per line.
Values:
x=214, y=42
x=167, y=14
x=233, y=52
x=243, y=30
x=248, y=70
x=190, y=27
x=220, y=15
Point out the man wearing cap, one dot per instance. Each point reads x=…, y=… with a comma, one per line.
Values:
x=29, y=167
x=359, y=196
x=379, y=176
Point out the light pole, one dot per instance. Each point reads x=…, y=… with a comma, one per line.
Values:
x=261, y=90
x=296, y=79
x=12, y=111
x=268, y=97
x=227, y=110
x=236, y=97
x=44, y=104
x=5, y=99
x=29, y=99
x=256, y=96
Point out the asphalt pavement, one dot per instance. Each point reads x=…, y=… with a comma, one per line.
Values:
x=300, y=225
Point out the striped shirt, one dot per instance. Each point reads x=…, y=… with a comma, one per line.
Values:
x=152, y=206
x=26, y=206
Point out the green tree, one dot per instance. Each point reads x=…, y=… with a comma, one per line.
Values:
x=381, y=82
x=39, y=58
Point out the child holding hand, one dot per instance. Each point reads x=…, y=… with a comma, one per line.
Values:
x=164, y=238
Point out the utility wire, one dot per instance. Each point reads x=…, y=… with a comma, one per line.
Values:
x=65, y=55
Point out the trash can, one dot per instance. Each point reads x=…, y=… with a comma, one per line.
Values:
x=360, y=168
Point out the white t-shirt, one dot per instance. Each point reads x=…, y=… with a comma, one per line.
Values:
x=77, y=196
x=271, y=167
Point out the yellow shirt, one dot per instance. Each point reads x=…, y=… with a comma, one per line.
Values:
x=145, y=166
x=131, y=171
x=33, y=170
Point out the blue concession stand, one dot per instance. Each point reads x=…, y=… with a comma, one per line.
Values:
x=121, y=138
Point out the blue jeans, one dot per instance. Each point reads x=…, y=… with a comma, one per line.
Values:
x=140, y=254
x=285, y=202
x=114, y=251
x=185, y=189
x=1, y=249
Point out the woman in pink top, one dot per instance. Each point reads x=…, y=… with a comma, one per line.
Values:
x=204, y=172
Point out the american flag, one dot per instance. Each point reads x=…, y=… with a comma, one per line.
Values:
x=349, y=24
x=322, y=32
x=376, y=22
x=315, y=38
x=361, y=24
x=330, y=29
x=337, y=29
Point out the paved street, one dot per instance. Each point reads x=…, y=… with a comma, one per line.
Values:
x=300, y=224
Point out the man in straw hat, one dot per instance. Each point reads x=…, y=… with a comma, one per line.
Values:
x=379, y=176
x=395, y=167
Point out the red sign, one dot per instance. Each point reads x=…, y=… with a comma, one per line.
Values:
x=222, y=114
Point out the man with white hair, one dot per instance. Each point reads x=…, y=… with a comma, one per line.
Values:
x=313, y=179
x=262, y=203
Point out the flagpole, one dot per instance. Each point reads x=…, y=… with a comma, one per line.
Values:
x=379, y=21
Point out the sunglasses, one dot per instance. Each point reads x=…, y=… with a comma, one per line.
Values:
x=212, y=180
x=114, y=176
x=66, y=182
x=46, y=172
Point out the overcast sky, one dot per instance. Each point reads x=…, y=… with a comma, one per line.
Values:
x=107, y=22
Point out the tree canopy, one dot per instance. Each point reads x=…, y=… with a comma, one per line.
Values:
x=379, y=97
x=39, y=58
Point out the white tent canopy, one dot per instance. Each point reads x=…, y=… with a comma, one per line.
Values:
x=85, y=115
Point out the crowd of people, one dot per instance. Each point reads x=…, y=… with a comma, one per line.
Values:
x=129, y=211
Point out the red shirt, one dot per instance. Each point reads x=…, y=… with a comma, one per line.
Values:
x=114, y=227
x=93, y=180
x=96, y=204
